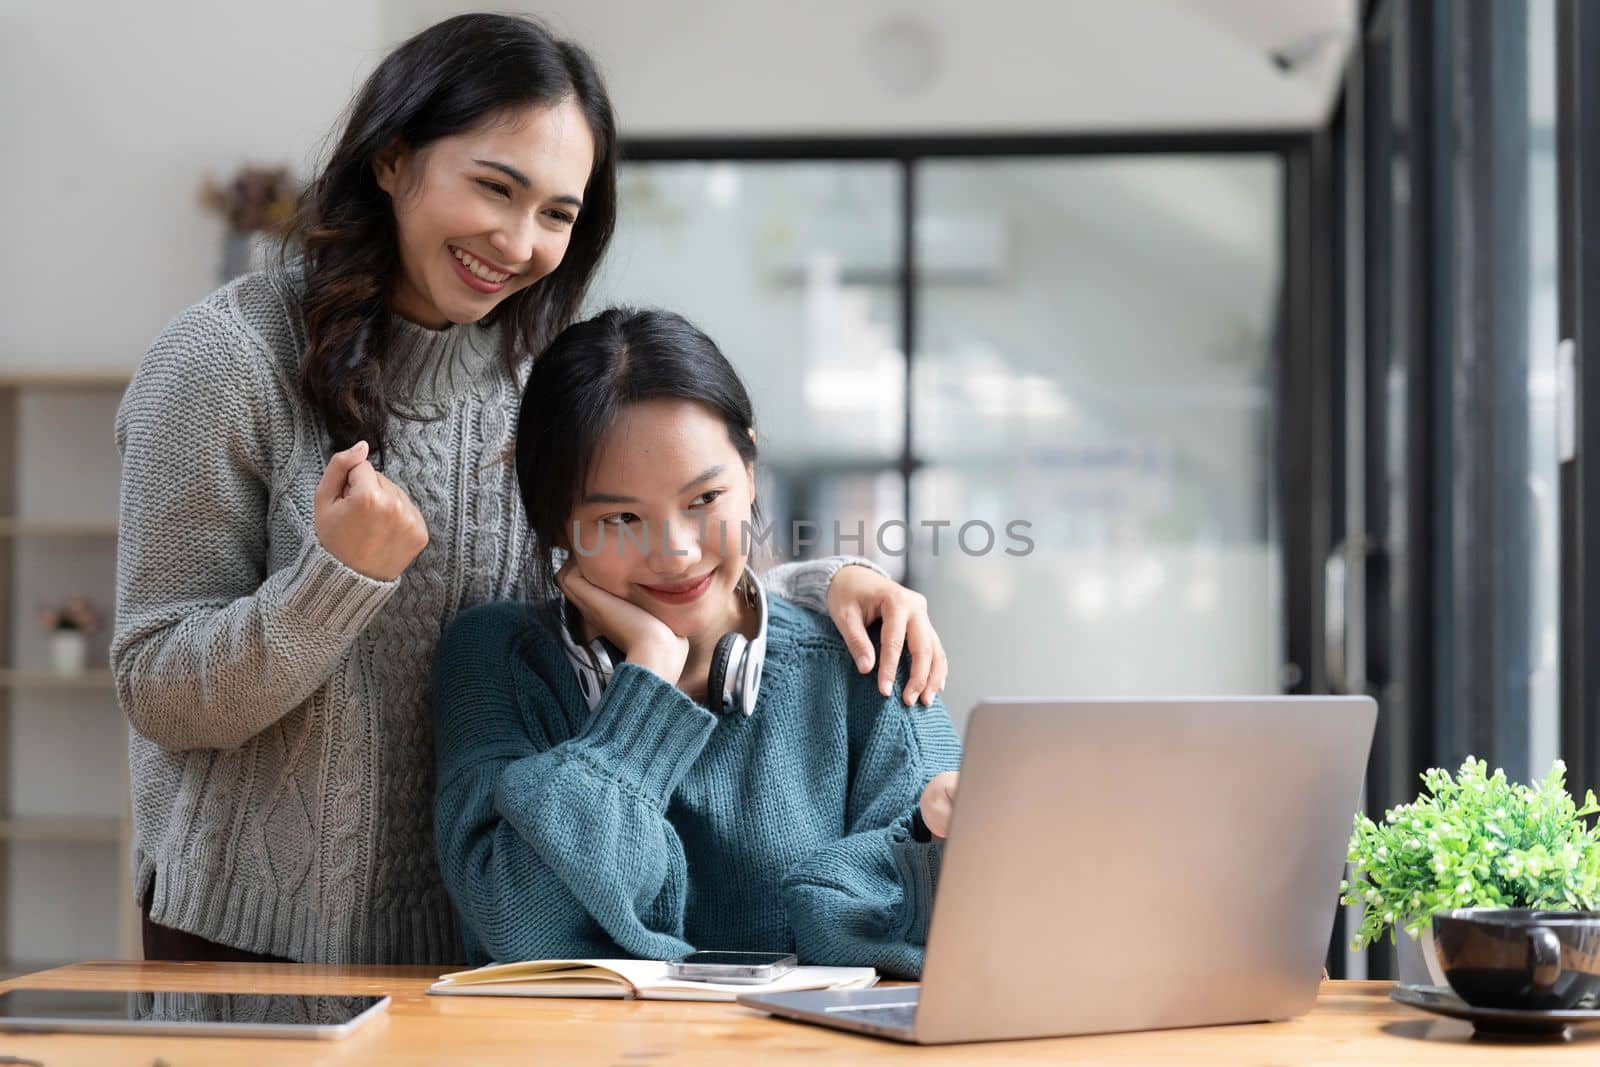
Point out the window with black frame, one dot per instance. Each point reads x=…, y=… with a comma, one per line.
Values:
x=1074, y=456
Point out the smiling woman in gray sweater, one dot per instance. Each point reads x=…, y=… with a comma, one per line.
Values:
x=315, y=482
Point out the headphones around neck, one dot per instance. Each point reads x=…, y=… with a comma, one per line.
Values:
x=736, y=661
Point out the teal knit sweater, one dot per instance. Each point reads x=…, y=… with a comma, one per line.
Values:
x=650, y=827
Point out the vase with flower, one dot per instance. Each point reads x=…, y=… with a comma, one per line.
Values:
x=67, y=628
x=255, y=203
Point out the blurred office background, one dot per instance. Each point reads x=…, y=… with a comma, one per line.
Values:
x=1251, y=311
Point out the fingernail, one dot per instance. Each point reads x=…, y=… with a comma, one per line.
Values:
x=863, y=662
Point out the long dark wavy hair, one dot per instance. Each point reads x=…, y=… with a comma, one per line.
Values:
x=580, y=384
x=446, y=80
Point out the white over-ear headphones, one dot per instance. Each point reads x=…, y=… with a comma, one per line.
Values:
x=736, y=661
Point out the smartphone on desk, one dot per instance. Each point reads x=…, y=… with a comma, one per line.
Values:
x=735, y=968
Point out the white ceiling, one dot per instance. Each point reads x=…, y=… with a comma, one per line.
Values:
x=728, y=67
x=1316, y=34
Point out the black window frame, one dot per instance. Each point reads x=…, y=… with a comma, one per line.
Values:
x=1447, y=625
x=1578, y=171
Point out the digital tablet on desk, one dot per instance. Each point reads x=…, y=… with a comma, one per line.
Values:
x=280, y=1015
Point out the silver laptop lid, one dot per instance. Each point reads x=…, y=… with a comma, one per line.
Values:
x=1141, y=864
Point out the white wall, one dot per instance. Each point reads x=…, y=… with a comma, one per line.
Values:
x=113, y=114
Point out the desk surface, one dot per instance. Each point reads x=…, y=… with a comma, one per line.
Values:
x=1353, y=1022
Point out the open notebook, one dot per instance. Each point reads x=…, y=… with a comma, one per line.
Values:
x=628, y=980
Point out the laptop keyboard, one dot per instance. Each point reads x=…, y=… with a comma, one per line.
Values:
x=898, y=1016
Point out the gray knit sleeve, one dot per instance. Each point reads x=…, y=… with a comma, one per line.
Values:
x=806, y=581
x=208, y=649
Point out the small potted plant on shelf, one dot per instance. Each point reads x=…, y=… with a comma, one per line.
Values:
x=1472, y=840
x=68, y=626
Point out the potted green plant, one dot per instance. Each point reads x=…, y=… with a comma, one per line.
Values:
x=1472, y=840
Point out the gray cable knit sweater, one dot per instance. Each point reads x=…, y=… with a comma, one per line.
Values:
x=281, y=756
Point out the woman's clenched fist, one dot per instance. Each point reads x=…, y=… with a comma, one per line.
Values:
x=364, y=520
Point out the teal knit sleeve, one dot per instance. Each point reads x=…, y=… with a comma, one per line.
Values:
x=865, y=899
x=550, y=820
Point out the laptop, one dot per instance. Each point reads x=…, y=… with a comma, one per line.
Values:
x=1128, y=865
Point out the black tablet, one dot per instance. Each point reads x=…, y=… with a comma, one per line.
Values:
x=86, y=1011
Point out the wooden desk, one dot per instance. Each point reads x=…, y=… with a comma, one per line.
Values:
x=1353, y=1023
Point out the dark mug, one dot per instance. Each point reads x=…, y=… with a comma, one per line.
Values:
x=1519, y=957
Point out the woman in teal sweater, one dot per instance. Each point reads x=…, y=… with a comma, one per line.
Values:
x=661, y=756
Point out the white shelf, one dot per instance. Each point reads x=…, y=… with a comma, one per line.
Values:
x=80, y=831
x=92, y=379
x=21, y=968
x=57, y=528
x=68, y=888
x=14, y=679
